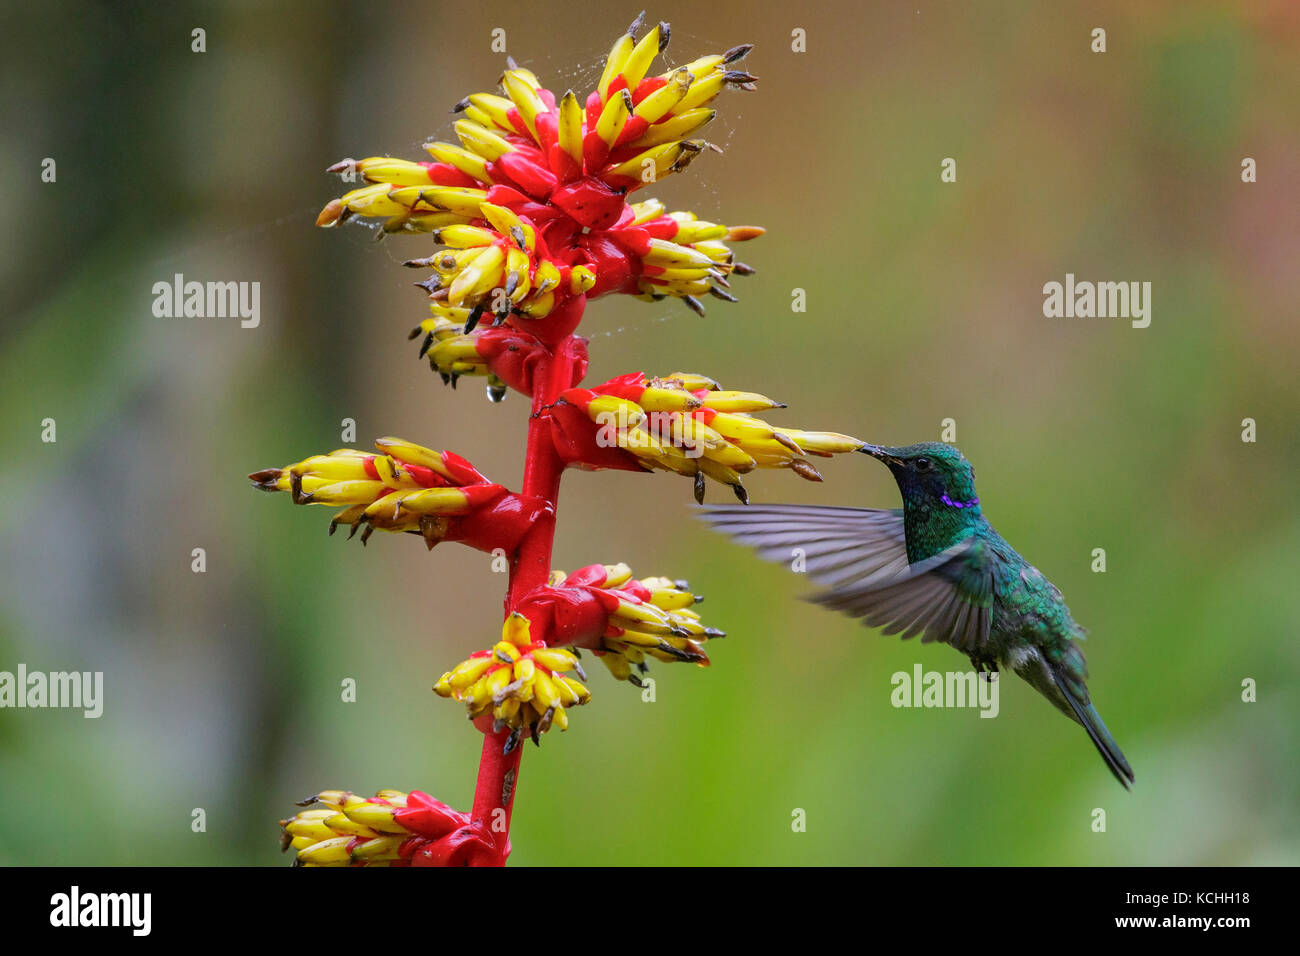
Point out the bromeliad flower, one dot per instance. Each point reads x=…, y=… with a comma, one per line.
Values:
x=684, y=423
x=524, y=683
x=521, y=682
x=406, y=487
x=622, y=620
x=533, y=209
x=533, y=204
x=391, y=828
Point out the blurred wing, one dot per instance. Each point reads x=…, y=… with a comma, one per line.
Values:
x=860, y=554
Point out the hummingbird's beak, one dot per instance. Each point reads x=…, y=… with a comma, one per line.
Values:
x=878, y=452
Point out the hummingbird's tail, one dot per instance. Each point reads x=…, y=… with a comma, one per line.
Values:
x=1086, y=714
x=1060, y=678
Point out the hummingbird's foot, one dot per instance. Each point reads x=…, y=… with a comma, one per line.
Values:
x=985, y=665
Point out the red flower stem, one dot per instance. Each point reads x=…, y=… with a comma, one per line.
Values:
x=498, y=772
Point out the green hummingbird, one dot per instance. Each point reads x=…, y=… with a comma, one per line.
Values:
x=937, y=568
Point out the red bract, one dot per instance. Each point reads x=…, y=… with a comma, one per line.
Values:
x=471, y=845
x=443, y=836
x=575, y=614
x=499, y=525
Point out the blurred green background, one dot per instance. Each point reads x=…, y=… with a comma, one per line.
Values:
x=924, y=303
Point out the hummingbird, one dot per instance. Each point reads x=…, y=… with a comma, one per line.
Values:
x=937, y=568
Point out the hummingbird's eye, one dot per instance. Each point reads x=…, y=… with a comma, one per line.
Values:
x=922, y=464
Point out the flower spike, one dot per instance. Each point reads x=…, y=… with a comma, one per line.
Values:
x=536, y=206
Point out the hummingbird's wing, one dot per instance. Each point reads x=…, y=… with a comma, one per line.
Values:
x=860, y=555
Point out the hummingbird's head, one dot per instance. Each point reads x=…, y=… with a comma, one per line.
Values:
x=930, y=472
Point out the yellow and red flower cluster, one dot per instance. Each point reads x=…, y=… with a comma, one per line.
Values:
x=407, y=487
x=391, y=828
x=521, y=682
x=684, y=423
x=649, y=617
x=524, y=681
x=533, y=202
